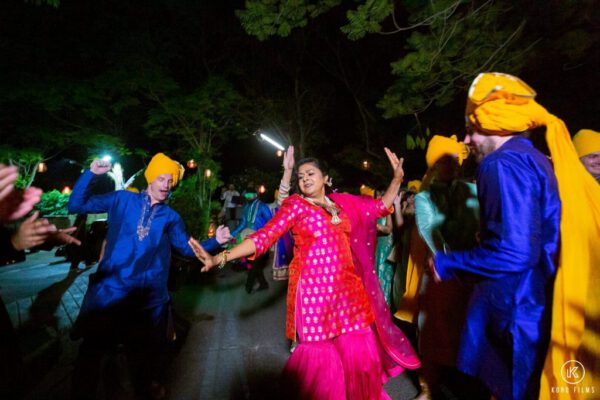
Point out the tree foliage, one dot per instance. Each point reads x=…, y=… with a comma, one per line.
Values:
x=445, y=58
x=53, y=203
x=192, y=198
x=266, y=18
x=202, y=119
x=450, y=41
x=59, y=117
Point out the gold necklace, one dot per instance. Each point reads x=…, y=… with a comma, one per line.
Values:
x=329, y=206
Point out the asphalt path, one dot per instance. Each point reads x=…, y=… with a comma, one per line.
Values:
x=230, y=344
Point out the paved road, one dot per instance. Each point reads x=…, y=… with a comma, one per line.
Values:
x=231, y=345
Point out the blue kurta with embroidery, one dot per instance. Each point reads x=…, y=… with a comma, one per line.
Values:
x=508, y=320
x=254, y=216
x=132, y=268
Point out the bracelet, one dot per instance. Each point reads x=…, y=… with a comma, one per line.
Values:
x=283, y=186
x=223, y=259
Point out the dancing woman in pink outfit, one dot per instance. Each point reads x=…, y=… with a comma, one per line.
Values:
x=348, y=345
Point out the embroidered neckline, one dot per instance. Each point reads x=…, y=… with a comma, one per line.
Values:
x=143, y=229
x=328, y=206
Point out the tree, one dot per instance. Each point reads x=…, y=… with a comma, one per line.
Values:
x=201, y=121
x=56, y=116
x=294, y=116
x=447, y=43
x=445, y=58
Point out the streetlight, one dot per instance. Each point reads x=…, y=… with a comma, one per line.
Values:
x=271, y=141
x=365, y=164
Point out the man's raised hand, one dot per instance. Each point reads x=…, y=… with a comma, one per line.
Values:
x=100, y=167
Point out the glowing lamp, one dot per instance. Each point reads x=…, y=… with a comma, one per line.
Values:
x=207, y=173
x=192, y=164
x=279, y=153
x=66, y=190
x=42, y=167
x=365, y=164
x=262, y=189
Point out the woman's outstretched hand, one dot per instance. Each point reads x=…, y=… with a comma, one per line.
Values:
x=202, y=255
x=396, y=164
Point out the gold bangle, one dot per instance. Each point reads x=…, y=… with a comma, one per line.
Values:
x=223, y=259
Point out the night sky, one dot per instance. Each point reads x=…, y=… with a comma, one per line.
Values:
x=192, y=40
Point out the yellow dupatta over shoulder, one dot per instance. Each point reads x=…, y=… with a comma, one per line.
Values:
x=500, y=104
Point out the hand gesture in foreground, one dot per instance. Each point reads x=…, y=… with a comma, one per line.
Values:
x=35, y=231
x=222, y=234
x=396, y=164
x=202, y=255
x=15, y=203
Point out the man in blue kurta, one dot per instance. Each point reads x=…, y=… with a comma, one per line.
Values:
x=254, y=216
x=127, y=298
x=507, y=331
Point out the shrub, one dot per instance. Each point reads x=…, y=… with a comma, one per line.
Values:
x=53, y=203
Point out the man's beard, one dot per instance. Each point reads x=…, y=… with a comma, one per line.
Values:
x=482, y=150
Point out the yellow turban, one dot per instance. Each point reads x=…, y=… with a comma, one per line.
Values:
x=586, y=142
x=440, y=146
x=500, y=104
x=161, y=164
x=367, y=191
x=414, y=185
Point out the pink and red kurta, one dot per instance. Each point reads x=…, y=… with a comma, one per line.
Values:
x=333, y=289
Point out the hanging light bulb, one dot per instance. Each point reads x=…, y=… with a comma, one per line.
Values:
x=191, y=164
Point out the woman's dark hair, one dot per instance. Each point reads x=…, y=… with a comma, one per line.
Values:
x=309, y=160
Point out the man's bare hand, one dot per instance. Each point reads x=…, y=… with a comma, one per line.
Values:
x=223, y=235
x=100, y=167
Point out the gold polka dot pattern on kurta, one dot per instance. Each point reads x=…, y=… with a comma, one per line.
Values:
x=331, y=296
